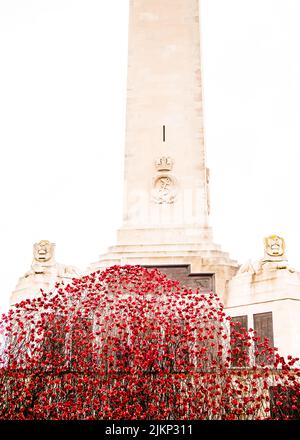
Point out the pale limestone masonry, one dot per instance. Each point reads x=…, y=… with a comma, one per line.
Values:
x=166, y=185
x=277, y=292
x=269, y=285
x=44, y=273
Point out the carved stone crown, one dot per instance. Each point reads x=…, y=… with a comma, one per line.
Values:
x=164, y=164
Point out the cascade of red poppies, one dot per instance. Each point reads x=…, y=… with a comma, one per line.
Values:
x=127, y=343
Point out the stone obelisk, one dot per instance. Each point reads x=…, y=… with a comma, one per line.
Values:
x=165, y=172
x=166, y=186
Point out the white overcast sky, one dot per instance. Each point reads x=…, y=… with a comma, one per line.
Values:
x=63, y=68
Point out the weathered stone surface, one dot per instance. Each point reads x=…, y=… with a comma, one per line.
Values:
x=44, y=273
x=274, y=258
x=166, y=186
x=165, y=169
x=269, y=285
x=182, y=273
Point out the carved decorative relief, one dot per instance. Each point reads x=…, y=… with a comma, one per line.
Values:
x=164, y=190
x=43, y=251
x=164, y=184
x=274, y=246
x=274, y=258
x=164, y=164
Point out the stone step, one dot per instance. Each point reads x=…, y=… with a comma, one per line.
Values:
x=209, y=258
x=164, y=253
x=205, y=246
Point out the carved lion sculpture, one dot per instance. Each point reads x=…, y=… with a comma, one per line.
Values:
x=44, y=262
x=274, y=247
x=274, y=258
x=43, y=251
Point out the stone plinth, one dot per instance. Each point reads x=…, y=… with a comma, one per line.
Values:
x=44, y=273
x=29, y=286
x=276, y=291
x=203, y=258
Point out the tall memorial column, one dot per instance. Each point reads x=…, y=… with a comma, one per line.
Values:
x=166, y=180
